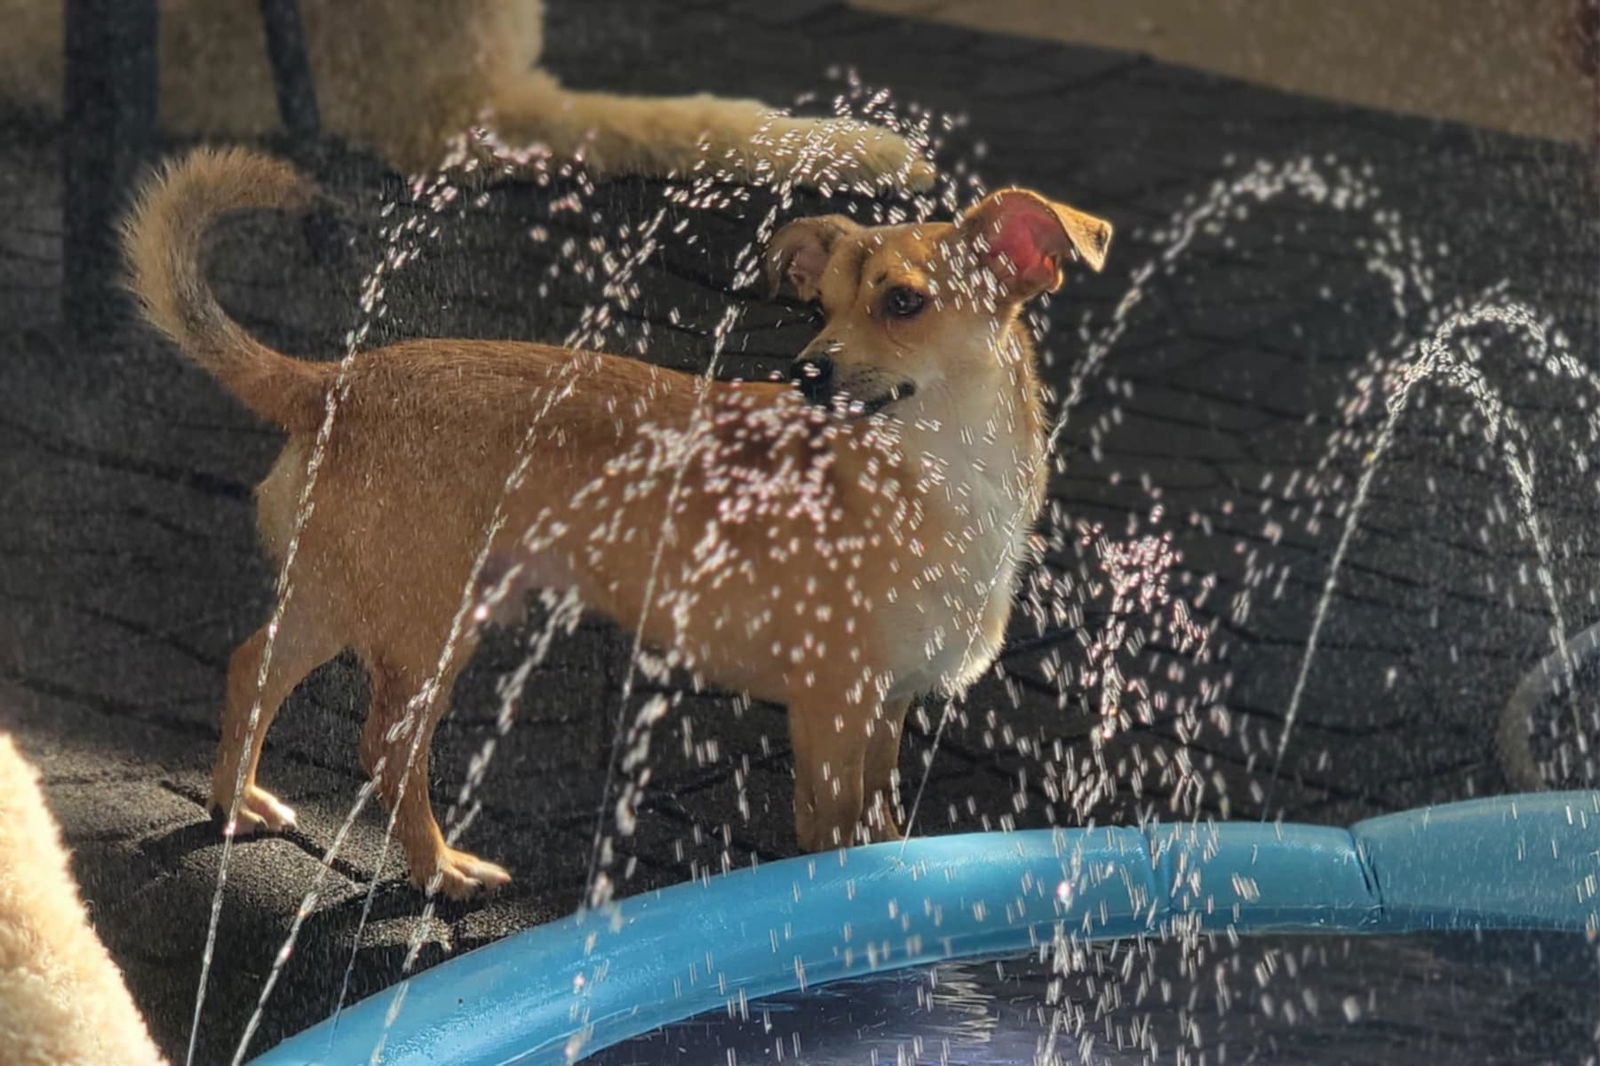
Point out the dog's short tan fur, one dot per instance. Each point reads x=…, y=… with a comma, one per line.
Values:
x=403, y=77
x=62, y=1000
x=839, y=565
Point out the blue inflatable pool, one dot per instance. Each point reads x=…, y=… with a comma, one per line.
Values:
x=600, y=977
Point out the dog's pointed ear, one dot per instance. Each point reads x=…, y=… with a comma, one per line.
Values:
x=1026, y=240
x=798, y=254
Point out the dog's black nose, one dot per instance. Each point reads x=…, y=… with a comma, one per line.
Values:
x=814, y=376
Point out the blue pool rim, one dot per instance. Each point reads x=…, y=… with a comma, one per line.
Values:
x=600, y=977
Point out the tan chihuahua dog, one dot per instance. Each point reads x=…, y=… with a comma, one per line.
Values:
x=838, y=548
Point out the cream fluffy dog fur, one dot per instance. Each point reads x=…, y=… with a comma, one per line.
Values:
x=62, y=1000
x=402, y=77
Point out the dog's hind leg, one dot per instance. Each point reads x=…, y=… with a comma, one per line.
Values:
x=687, y=135
x=395, y=745
x=299, y=647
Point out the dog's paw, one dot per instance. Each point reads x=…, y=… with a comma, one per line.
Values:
x=881, y=826
x=884, y=834
x=259, y=812
x=839, y=152
x=461, y=875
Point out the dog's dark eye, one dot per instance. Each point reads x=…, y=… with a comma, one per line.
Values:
x=819, y=317
x=901, y=302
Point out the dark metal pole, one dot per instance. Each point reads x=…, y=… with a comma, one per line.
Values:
x=109, y=100
x=291, y=68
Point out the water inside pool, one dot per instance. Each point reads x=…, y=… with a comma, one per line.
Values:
x=1449, y=998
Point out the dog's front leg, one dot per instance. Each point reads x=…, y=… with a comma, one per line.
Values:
x=687, y=135
x=883, y=772
x=830, y=753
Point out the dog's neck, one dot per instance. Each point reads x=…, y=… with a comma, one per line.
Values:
x=989, y=426
x=976, y=449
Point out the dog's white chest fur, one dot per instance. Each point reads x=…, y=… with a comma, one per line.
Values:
x=949, y=618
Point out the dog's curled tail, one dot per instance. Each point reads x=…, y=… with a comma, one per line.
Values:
x=162, y=239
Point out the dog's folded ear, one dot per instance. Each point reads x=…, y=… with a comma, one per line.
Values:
x=1025, y=239
x=798, y=254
